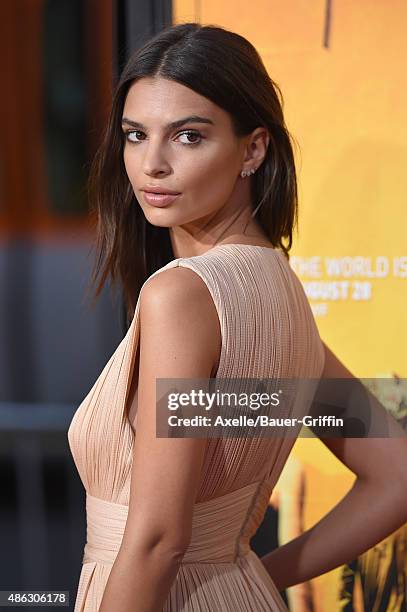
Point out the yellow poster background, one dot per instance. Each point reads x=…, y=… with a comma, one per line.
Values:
x=345, y=101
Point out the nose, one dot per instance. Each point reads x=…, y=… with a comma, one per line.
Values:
x=154, y=161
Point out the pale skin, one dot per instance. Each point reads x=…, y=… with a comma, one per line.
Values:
x=180, y=337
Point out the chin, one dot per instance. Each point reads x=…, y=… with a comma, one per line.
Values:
x=168, y=216
x=161, y=217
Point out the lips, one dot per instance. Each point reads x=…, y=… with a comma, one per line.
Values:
x=157, y=189
x=159, y=199
x=161, y=192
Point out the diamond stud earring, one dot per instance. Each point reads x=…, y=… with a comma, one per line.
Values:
x=247, y=172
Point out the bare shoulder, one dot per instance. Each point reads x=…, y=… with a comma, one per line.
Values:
x=177, y=283
x=181, y=288
x=177, y=303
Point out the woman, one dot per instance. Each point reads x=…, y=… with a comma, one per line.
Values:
x=209, y=293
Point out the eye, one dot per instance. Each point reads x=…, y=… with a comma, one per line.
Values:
x=129, y=133
x=189, y=133
x=133, y=136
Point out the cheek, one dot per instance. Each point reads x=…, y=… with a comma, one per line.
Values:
x=132, y=164
x=129, y=166
x=212, y=169
x=218, y=177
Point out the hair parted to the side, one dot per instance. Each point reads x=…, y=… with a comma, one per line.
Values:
x=225, y=68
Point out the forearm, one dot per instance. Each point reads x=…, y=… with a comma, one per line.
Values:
x=368, y=513
x=140, y=581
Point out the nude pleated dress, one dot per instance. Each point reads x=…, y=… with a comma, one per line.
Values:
x=268, y=330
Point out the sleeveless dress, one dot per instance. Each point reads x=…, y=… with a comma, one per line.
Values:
x=267, y=330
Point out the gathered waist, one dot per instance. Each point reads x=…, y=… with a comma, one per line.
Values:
x=221, y=527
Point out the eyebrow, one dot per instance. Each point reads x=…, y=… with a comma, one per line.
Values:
x=173, y=124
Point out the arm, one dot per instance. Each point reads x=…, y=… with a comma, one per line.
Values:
x=375, y=506
x=179, y=338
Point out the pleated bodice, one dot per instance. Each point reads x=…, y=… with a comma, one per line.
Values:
x=267, y=331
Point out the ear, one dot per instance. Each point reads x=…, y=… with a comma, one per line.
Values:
x=256, y=147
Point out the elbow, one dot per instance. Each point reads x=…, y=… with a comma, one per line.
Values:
x=166, y=547
x=391, y=484
x=401, y=484
x=173, y=550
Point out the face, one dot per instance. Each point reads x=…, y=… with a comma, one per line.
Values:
x=200, y=158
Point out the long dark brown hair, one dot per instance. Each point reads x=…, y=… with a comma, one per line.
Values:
x=225, y=68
